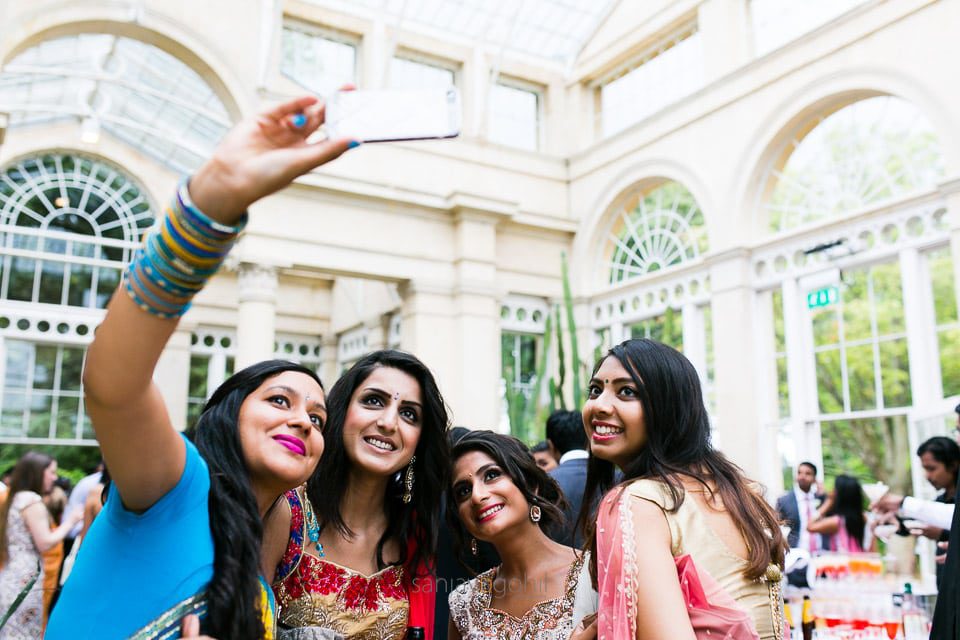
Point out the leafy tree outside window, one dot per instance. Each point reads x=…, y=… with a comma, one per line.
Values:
x=860, y=344
x=940, y=268
x=666, y=328
x=518, y=353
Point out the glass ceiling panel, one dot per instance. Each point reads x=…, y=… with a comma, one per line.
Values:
x=551, y=29
x=132, y=90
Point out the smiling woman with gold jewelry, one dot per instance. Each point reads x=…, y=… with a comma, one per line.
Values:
x=355, y=548
x=542, y=588
x=685, y=546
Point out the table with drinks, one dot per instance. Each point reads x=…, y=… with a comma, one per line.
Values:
x=852, y=597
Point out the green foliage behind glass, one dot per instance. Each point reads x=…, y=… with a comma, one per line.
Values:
x=73, y=462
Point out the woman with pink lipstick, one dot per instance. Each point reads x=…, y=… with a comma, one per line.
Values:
x=356, y=546
x=685, y=546
x=180, y=532
x=542, y=588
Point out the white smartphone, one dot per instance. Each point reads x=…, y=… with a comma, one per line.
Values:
x=384, y=115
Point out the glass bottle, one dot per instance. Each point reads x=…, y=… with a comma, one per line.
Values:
x=807, y=621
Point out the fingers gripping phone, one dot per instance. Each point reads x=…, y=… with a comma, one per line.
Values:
x=385, y=115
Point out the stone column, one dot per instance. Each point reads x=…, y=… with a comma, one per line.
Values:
x=256, y=313
x=735, y=356
x=454, y=327
x=427, y=330
x=378, y=51
x=377, y=329
x=477, y=318
x=725, y=31
x=172, y=375
x=476, y=80
x=951, y=192
x=922, y=348
x=328, y=361
x=694, y=339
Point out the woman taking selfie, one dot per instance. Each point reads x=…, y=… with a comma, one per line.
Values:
x=180, y=531
x=542, y=588
x=356, y=548
x=686, y=546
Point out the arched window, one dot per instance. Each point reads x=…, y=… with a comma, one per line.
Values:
x=655, y=230
x=866, y=153
x=68, y=225
x=134, y=91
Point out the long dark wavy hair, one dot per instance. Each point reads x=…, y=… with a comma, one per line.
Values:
x=848, y=504
x=678, y=444
x=27, y=476
x=234, y=592
x=518, y=463
x=419, y=520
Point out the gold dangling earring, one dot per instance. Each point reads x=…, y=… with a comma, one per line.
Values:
x=473, y=547
x=535, y=514
x=408, y=482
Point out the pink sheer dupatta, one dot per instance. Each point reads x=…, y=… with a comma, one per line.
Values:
x=713, y=613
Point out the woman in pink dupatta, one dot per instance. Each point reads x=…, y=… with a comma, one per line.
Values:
x=685, y=547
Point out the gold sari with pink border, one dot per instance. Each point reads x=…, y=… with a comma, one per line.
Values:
x=721, y=602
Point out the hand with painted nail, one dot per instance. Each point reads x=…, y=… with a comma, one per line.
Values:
x=262, y=155
x=190, y=628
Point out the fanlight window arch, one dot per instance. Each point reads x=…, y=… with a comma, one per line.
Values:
x=866, y=153
x=654, y=230
x=132, y=90
x=68, y=225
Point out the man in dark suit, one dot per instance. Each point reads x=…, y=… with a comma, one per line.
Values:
x=568, y=444
x=796, y=508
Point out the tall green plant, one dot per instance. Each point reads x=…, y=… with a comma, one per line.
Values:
x=557, y=388
x=527, y=415
x=572, y=328
x=532, y=408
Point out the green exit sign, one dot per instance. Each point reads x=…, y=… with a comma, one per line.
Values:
x=823, y=297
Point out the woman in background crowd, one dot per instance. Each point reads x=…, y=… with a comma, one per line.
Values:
x=542, y=588
x=356, y=549
x=56, y=502
x=686, y=546
x=842, y=517
x=25, y=534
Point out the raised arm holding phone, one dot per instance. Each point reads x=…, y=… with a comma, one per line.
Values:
x=180, y=532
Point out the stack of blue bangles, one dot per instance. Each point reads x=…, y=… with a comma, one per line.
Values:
x=178, y=258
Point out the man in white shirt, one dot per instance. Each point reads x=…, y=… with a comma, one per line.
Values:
x=799, y=506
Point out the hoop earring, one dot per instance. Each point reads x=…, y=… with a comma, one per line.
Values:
x=474, y=549
x=408, y=482
x=535, y=514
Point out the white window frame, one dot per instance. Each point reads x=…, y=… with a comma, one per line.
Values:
x=326, y=33
x=663, y=45
x=519, y=84
x=417, y=57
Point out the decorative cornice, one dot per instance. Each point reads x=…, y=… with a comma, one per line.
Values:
x=258, y=282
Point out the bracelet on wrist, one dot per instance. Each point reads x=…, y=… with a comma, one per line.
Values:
x=178, y=257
